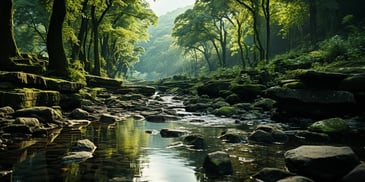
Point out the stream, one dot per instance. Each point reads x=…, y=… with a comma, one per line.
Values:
x=126, y=152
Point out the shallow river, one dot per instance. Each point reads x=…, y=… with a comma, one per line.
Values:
x=127, y=153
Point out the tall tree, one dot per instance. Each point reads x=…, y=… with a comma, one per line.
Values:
x=8, y=48
x=58, y=64
x=253, y=7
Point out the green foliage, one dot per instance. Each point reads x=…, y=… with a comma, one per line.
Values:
x=77, y=72
x=226, y=73
x=344, y=48
x=335, y=48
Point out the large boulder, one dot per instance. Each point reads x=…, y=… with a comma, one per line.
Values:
x=28, y=80
x=316, y=104
x=136, y=89
x=24, y=98
x=97, y=81
x=218, y=163
x=43, y=114
x=213, y=88
x=320, y=79
x=248, y=91
x=321, y=163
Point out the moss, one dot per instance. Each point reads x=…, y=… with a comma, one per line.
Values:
x=226, y=111
x=332, y=125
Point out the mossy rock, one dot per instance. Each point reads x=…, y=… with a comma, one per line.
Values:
x=28, y=80
x=346, y=67
x=332, y=125
x=265, y=103
x=226, y=111
x=24, y=98
x=247, y=91
x=233, y=99
x=213, y=88
x=295, y=85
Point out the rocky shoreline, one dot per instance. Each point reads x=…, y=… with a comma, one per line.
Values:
x=315, y=109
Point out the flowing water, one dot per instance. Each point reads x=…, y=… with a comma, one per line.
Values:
x=126, y=152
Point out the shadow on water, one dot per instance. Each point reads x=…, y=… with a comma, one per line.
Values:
x=126, y=152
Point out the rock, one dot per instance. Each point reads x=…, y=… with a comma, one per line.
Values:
x=83, y=145
x=195, y=141
x=74, y=123
x=233, y=136
x=225, y=111
x=296, y=179
x=197, y=107
x=147, y=91
x=265, y=103
x=76, y=157
x=354, y=83
x=27, y=80
x=316, y=104
x=218, y=163
x=97, y=81
x=311, y=96
x=213, y=88
x=233, y=99
x=160, y=118
x=18, y=129
x=168, y=133
x=320, y=79
x=6, y=175
x=70, y=102
x=261, y=136
x=44, y=114
x=268, y=134
x=271, y=174
x=32, y=122
x=355, y=175
x=219, y=104
x=25, y=98
x=79, y=114
x=107, y=118
x=330, y=126
x=306, y=136
x=7, y=110
x=321, y=163
x=248, y=91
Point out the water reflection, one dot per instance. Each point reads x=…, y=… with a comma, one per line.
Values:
x=127, y=153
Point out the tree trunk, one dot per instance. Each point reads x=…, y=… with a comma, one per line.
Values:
x=76, y=49
x=97, y=64
x=8, y=48
x=266, y=9
x=313, y=20
x=58, y=65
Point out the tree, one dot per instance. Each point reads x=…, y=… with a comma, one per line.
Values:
x=8, y=48
x=253, y=7
x=58, y=64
